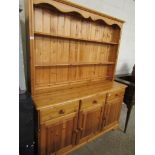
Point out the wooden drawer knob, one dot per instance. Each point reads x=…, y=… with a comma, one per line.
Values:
x=81, y=129
x=94, y=102
x=61, y=111
x=116, y=95
x=76, y=131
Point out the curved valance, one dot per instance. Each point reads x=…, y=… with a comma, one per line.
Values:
x=68, y=7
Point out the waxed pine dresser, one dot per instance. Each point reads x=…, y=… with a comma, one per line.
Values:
x=73, y=55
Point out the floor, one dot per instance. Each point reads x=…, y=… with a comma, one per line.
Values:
x=114, y=142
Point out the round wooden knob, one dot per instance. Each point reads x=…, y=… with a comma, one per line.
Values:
x=76, y=131
x=81, y=129
x=61, y=111
x=94, y=102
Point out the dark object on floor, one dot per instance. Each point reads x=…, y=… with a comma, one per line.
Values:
x=26, y=125
x=129, y=97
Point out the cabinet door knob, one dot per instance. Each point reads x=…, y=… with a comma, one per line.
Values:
x=61, y=111
x=76, y=131
x=94, y=102
x=81, y=129
x=109, y=95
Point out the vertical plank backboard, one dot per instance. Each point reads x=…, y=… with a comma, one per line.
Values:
x=54, y=23
x=46, y=21
x=38, y=17
x=76, y=52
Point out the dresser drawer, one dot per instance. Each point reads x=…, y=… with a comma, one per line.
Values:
x=115, y=94
x=59, y=110
x=93, y=101
x=115, y=101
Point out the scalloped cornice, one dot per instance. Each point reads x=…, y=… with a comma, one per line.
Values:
x=67, y=7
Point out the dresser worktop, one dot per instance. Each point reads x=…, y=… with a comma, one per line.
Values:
x=63, y=96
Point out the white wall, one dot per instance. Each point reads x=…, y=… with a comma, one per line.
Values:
x=22, y=48
x=125, y=10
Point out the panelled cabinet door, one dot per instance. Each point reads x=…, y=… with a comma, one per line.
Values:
x=90, y=120
x=89, y=124
x=58, y=135
x=112, y=112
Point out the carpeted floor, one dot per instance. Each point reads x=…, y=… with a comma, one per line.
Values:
x=114, y=142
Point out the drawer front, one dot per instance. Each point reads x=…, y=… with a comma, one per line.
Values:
x=115, y=101
x=93, y=101
x=115, y=94
x=59, y=110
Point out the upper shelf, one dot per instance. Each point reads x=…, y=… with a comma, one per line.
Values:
x=76, y=64
x=69, y=7
x=72, y=38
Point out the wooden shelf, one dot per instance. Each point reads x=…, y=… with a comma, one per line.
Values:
x=76, y=64
x=72, y=38
x=81, y=82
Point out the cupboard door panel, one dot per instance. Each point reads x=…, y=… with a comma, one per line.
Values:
x=90, y=117
x=89, y=124
x=58, y=135
x=112, y=112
